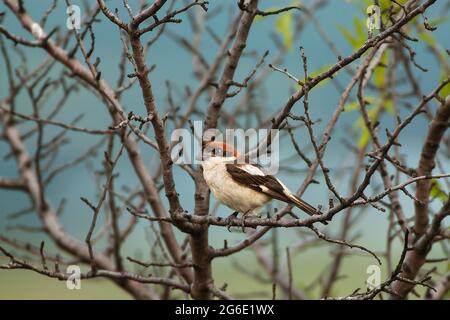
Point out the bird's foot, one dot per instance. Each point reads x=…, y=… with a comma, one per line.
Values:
x=249, y=214
x=230, y=218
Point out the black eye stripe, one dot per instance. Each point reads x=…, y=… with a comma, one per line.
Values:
x=218, y=151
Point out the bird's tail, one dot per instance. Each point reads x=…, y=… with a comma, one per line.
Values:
x=304, y=206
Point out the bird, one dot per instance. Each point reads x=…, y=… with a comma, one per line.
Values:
x=244, y=187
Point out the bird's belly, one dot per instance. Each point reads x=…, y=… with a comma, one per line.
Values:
x=239, y=198
x=234, y=195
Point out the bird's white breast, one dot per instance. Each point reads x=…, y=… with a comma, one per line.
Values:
x=227, y=191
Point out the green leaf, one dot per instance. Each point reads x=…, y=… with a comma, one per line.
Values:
x=284, y=25
x=445, y=91
x=380, y=71
x=364, y=138
x=365, y=135
x=359, y=38
x=360, y=29
x=351, y=106
x=373, y=115
x=437, y=191
x=389, y=105
x=348, y=36
x=354, y=105
x=385, y=4
x=319, y=71
x=426, y=37
x=438, y=21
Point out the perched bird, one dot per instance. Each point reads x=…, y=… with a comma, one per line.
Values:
x=245, y=188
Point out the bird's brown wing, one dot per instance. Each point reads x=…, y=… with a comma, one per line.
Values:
x=253, y=177
x=258, y=181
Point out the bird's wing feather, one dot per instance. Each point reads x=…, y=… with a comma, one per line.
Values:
x=251, y=168
x=253, y=177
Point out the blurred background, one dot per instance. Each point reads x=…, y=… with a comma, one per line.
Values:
x=342, y=21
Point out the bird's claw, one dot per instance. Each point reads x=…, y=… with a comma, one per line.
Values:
x=230, y=218
x=243, y=221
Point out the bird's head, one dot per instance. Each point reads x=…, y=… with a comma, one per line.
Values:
x=219, y=149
